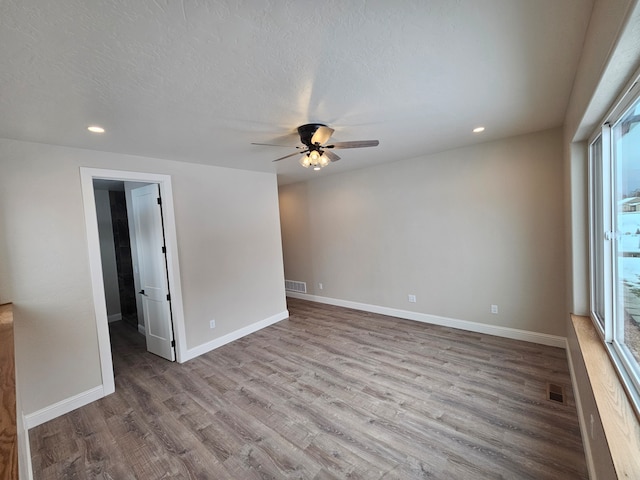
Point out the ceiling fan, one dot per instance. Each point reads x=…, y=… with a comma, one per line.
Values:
x=315, y=150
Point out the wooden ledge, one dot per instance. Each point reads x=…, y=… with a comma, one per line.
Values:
x=619, y=421
x=8, y=425
x=6, y=313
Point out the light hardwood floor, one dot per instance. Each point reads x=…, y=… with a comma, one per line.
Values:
x=328, y=393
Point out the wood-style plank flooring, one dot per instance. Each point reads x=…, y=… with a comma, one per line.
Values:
x=328, y=393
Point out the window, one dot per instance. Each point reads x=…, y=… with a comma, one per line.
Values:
x=614, y=196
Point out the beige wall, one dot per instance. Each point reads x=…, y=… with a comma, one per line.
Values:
x=461, y=230
x=229, y=250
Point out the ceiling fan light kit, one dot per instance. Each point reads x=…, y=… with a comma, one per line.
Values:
x=314, y=159
x=314, y=152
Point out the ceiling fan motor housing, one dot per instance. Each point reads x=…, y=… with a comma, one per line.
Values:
x=306, y=133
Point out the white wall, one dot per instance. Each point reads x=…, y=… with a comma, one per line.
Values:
x=229, y=251
x=108, y=254
x=461, y=230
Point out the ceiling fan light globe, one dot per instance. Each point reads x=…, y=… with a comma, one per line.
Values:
x=305, y=161
x=324, y=160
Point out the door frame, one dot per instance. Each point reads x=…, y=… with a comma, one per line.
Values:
x=95, y=263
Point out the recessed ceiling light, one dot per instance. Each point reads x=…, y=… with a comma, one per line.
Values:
x=478, y=129
x=95, y=129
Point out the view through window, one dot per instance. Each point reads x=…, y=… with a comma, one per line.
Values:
x=626, y=168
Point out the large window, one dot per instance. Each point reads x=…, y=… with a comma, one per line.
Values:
x=614, y=168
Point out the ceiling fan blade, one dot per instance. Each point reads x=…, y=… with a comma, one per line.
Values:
x=322, y=135
x=354, y=144
x=290, y=155
x=274, y=145
x=332, y=156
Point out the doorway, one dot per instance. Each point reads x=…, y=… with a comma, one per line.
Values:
x=171, y=328
x=118, y=251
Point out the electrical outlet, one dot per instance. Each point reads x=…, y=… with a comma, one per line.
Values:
x=320, y=286
x=412, y=299
x=494, y=309
x=212, y=324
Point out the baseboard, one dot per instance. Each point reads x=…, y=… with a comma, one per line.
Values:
x=584, y=431
x=114, y=318
x=230, y=337
x=506, y=332
x=25, y=468
x=64, y=406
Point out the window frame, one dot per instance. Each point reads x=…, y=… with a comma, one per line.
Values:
x=612, y=325
x=604, y=258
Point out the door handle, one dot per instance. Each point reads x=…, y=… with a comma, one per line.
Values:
x=141, y=292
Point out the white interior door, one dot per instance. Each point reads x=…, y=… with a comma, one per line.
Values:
x=154, y=291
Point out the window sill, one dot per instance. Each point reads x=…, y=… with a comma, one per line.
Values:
x=619, y=421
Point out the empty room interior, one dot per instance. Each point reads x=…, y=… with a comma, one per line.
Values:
x=298, y=239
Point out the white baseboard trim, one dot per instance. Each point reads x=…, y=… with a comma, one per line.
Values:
x=64, y=406
x=114, y=317
x=506, y=332
x=230, y=337
x=142, y=330
x=584, y=431
x=25, y=467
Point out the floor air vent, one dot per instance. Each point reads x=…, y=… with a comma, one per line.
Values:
x=293, y=286
x=555, y=393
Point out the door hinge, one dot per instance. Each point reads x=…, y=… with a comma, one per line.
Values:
x=169, y=297
x=159, y=201
x=173, y=343
x=164, y=249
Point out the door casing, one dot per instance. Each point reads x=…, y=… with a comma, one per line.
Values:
x=87, y=175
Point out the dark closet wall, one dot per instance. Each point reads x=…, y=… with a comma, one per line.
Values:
x=124, y=261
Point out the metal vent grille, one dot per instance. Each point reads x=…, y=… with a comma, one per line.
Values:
x=555, y=393
x=294, y=286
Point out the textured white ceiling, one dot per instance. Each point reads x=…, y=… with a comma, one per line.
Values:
x=200, y=80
